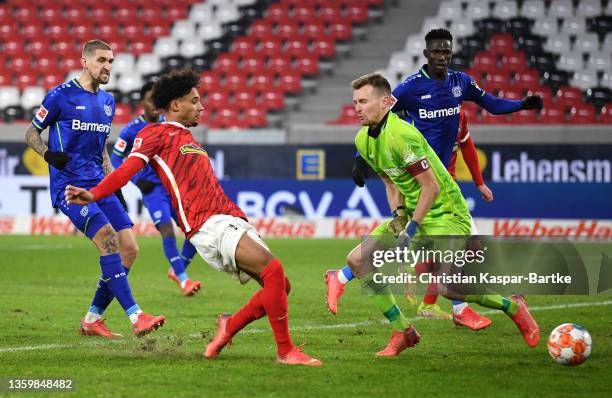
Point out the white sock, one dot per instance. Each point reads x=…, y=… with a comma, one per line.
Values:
x=91, y=317
x=134, y=316
x=457, y=308
x=341, y=278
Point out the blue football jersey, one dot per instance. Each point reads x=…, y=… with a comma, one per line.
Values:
x=79, y=123
x=434, y=106
x=124, y=144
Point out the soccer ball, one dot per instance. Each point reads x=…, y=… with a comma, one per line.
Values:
x=569, y=344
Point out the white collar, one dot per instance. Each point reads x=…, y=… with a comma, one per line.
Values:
x=177, y=124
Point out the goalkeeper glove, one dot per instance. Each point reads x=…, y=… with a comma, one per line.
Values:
x=119, y=196
x=406, y=235
x=398, y=224
x=360, y=170
x=145, y=186
x=56, y=159
x=532, y=102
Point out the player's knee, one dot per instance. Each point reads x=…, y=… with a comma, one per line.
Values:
x=166, y=230
x=128, y=253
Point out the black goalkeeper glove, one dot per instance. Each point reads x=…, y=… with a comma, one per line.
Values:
x=56, y=159
x=119, y=196
x=533, y=102
x=145, y=186
x=360, y=170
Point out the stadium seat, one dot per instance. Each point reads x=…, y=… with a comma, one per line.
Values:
x=568, y=97
x=561, y=9
x=599, y=96
x=245, y=98
x=315, y=31
x=402, y=62
x=166, y=47
x=51, y=80
x=279, y=63
x=324, y=48
x=129, y=82
x=552, y=115
x=606, y=80
x=227, y=64
x=477, y=9
x=192, y=47
x=32, y=32
x=606, y=114
x=217, y=100
x=9, y=96
x=272, y=99
x=414, y=46
x=570, y=61
x=201, y=13
x=341, y=30
x=589, y=8
x=255, y=117
x=546, y=26
x=485, y=60
x=6, y=78
x=518, y=26
x=26, y=78
x=357, y=13
x=514, y=61
x=431, y=23
x=123, y=113
x=148, y=64
x=463, y=28
x=141, y=46
x=290, y=82
x=501, y=43
x=584, y=79
x=556, y=78
x=307, y=65
x=133, y=32
x=175, y=12
x=587, y=43
x=183, y=30
x=558, y=44
x=296, y=46
x=263, y=80
x=573, y=25
x=524, y=117
x=450, y=10
x=124, y=63
x=583, y=114
x=32, y=97
x=543, y=91
x=505, y=9
x=600, y=61
x=209, y=31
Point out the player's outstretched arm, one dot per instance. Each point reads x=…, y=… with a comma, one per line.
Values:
x=78, y=196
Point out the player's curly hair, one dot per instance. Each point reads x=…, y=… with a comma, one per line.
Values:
x=438, y=34
x=173, y=85
x=148, y=86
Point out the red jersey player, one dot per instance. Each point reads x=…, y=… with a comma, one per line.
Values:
x=210, y=220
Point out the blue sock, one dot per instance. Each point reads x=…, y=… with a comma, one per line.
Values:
x=347, y=273
x=457, y=302
x=173, y=256
x=103, y=296
x=188, y=252
x=115, y=276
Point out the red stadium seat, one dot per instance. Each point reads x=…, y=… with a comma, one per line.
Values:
x=45, y=65
x=348, y=115
x=125, y=15
x=176, y=12
x=6, y=78
x=501, y=43
x=485, y=60
x=25, y=13
x=244, y=46
x=158, y=29
x=261, y=30
x=278, y=13
x=271, y=47
x=32, y=32
x=357, y=13
x=234, y=83
x=57, y=32
x=511, y=94
x=50, y=15
x=101, y=14
x=151, y=16
x=70, y=63
x=273, y=99
x=217, y=100
x=26, y=78
x=14, y=48
x=279, y=64
x=291, y=82
x=308, y=65
x=288, y=31
x=514, y=61
x=330, y=13
x=133, y=32
x=143, y=45
x=314, y=31
x=341, y=30
x=569, y=97
x=20, y=64
x=227, y=118
x=296, y=47
x=524, y=117
x=227, y=64
x=304, y=14
x=552, y=115
x=245, y=99
x=255, y=117
x=52, y=79
x=118, y=45
x=263, y=80
x=543, y=91
x=488, y=118
x=325, y=48
x=471, y=110
x=606, y=114
x=123, y=114
x=253, y=64
x=583, y=114
x=76, y=13
x=40, y=48
x=82, y=31
x=498, y=82
x=209, y=79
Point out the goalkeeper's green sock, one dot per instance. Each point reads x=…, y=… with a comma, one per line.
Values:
x=495, y=301
x=380, y=294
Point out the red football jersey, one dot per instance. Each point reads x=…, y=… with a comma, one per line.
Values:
x=462, y=135
x=185, y=171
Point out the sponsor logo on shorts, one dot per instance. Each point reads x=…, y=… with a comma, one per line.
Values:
x=41, y=114
x=84, y=211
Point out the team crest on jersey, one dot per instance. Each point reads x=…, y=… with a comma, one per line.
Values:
x=84, y=211
x=457, y=91
x=193, y=148
x=137, y=143
x=42, y=113
x=108, y=110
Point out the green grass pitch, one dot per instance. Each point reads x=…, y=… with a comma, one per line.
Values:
x=46, y=285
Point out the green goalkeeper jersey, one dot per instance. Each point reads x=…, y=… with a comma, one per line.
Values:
x=394, y=147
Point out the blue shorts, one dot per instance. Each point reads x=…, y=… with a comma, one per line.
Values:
x=90, y=218
x=159, y=205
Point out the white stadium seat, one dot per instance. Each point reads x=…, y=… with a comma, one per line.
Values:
x=202, y=12
x=123, y=63
x=587, y=43
x=129, y=83
x=477, y=9
x=9, y=96
x=546, y=26
x=227, y=13
x=415, y=45
x=570, y=61
x=584, y=79
x=450, y=10
x=608, y=9
x=184, y=29
x=32, y=97
x=533, y=9
x=148, y=64
x=606, y=80
x=462, y=28
x=505, y=9
x=561, y=8
x=192, y=47
x=573, y=26
x=401, y=62
x=166, y=47
x=607, y=43
x=430, y=23
x=589, y=8
x=210, y=31
x=600, y=61
x=558, y=44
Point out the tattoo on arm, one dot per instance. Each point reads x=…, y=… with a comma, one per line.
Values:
x=35, y=141
x=106, y=162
